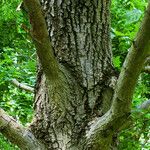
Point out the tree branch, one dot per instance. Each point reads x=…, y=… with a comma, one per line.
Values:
x=147, y=60
x=103, y=128
x=145, y=105
x=132, y=67
x=22, y=86
x=17, y=134
x=41, y=39
x=146, y=69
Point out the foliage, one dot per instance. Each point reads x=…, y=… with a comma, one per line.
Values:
x=126, y=18
x=6, y=145
x=137, y=135
x=17, y=60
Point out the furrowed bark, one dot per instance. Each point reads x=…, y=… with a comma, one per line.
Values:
x=17, y=134
x=119, y=114
x=72, y=113
x=80, y=35
x=41, y=39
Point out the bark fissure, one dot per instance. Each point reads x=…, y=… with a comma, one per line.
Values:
x=75, y=88
x=79, y=32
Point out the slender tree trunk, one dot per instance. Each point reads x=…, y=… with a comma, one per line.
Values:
x=66, y=105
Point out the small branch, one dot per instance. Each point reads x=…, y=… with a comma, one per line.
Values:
x=147, y=60
x=22, y=86
x=41, y=39
x=145, y=105
x=132, y=67
x=146, y=69
x=17, y=134
x=103, y=128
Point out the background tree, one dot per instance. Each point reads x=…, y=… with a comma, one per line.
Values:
x=79, y=89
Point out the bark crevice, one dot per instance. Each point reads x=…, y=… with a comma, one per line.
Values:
x=80, y=35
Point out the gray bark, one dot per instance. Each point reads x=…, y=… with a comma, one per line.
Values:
x=22, y=86
x=18, y=134
x=75, y=89
x=79, y=32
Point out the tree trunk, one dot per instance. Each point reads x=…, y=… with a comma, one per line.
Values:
x=66, y=106
x=76, y=105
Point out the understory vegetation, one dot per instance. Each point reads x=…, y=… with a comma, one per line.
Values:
x=18, y=61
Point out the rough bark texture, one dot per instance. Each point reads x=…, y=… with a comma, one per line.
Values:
x=79, y=32
x=75, y=81
x=74, y=89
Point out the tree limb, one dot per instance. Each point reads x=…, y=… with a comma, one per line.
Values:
x=132, y=67
x=41, y=39
x=147, y=60
x=119, y=114
x=146, y=69
x=17, y=134
x=145, y=105
x=22, y=86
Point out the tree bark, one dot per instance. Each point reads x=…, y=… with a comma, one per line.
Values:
x=22, y=86
x=78, y=104
x=80, y=35
x=17, y=134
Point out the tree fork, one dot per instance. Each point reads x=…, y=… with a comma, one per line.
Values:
x=121, y=105
x=99, y=130
x=41, y=39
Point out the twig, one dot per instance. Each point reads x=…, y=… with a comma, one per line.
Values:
x=145, y=105
x=22, y=86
